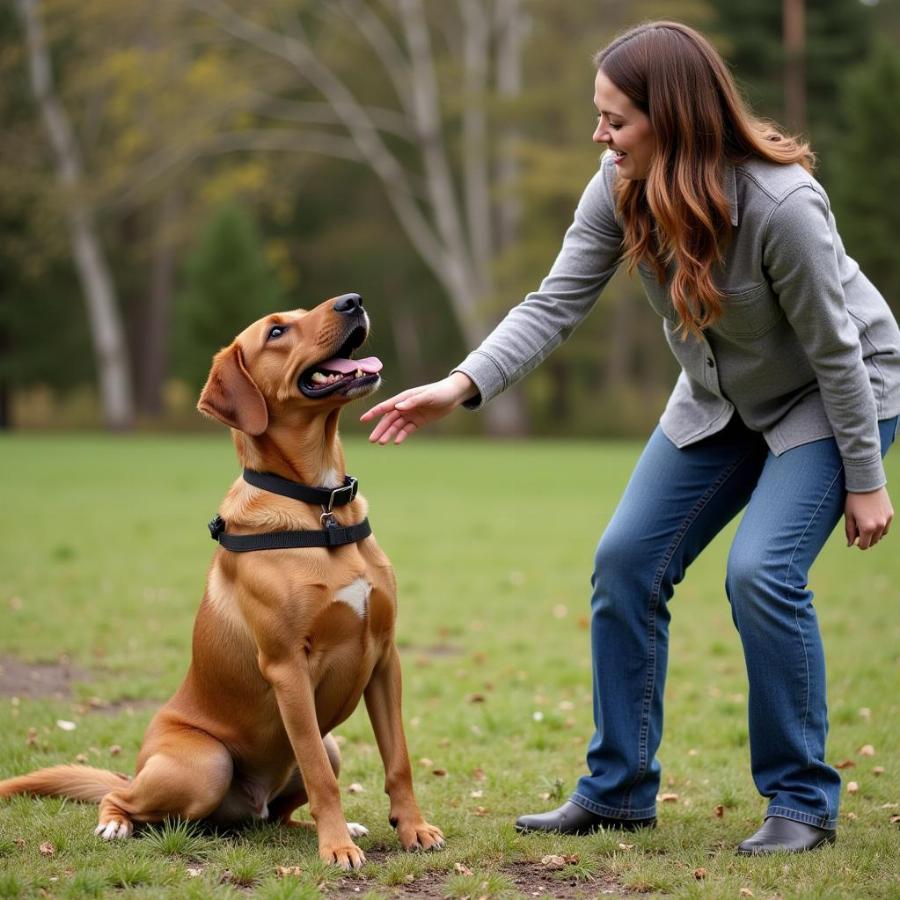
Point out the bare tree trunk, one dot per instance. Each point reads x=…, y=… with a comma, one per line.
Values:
x=105, y=322
x=794, y=25
x=153, y=324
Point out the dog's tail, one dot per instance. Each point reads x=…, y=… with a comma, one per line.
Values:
x=74, y=782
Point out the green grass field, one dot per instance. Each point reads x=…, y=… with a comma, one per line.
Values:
x=103, y=553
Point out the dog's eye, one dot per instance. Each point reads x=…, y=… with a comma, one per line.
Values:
x=276, y=331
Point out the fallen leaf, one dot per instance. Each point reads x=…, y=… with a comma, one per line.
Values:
x=65, y=725
x=626, y=846
x=895, y=820
x=81, y=759
x=845, y=764
x=476, y=698
x=699, y=874
x=481, y=811
x=852, y=787
x=47, y=849
x=865, y=712
x=409, y=878
x=866, y=750
x=693, y=752
x=478, y=774
x=889, y=805
x=553, y=862
x=668, y=798
x=463, y=870
x=441, y=773
x=31, y=738
x=115, y=750
x=355, y=788
x=851, y=816
x=476, y=795
x=878, y=770
x=544, y=795
x=425, y=761
x=285, y=871
x=194, y=871
x=720, y=811
x=745, y=892
x=20, y=843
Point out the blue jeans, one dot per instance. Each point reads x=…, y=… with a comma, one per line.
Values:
x=673, y=506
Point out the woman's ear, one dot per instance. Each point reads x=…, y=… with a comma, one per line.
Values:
x=231, y=395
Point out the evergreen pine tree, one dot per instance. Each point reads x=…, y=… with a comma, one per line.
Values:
x=228, y=285
x=866, y=173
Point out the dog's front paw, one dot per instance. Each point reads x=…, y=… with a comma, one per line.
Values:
x=420, y=835
x=347, y=856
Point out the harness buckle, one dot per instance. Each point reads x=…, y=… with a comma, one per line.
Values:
x=216, y=527
x=337, y=494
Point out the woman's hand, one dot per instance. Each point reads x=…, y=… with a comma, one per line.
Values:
x=404, y=413
x=867, y=517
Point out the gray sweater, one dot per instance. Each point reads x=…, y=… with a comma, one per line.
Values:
x=806, y=347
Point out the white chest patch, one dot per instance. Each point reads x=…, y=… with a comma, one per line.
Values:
x=356, y=596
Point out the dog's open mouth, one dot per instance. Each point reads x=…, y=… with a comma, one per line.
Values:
x=341, y=373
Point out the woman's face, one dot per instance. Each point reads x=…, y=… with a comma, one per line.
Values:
x=624, y=129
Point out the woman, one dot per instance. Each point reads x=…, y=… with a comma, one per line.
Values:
x=788, y=398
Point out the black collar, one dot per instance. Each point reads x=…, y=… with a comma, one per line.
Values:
x=333, y=535
x=327, y=498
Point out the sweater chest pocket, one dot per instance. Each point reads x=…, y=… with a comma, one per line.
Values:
x=750, y=313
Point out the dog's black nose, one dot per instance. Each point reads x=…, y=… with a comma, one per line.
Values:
x=348, y=303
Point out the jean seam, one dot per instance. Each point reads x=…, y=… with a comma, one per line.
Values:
x=796, y=815
x=688, y=520
x=786, y=578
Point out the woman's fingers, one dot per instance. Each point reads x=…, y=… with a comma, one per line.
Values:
x=386, y=405
x=381, y=428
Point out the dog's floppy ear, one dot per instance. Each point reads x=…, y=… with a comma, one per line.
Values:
x=231, y=395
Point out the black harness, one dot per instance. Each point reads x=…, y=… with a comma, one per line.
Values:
x=332, y=535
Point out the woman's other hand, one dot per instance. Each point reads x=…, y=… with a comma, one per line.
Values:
x=405, y=412
x=867, y=517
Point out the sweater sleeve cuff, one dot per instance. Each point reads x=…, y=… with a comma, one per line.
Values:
x=486, y=376
x=867, y=475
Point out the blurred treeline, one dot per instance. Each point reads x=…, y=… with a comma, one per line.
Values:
x=171, y=171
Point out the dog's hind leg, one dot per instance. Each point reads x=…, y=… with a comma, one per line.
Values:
x=185, y=777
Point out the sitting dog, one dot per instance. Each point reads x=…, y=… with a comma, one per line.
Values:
x=297, y=621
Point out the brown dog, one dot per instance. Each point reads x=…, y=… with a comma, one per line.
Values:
x=286, y=641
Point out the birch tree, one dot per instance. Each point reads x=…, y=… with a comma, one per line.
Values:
x=97, y=286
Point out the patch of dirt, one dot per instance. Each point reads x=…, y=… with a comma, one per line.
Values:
x=530, y=879
x=19, y=679
x=535, y=880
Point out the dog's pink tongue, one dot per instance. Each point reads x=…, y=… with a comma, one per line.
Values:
x=370, y=365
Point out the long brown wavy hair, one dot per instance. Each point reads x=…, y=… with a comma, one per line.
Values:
x=680, y=213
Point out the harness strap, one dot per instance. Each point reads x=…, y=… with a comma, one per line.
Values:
x=332, y=536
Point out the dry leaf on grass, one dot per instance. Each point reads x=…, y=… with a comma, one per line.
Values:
x=462, y=870
x=476, y=795
x=878, y=770
x=852, y=787
x=668, y=798
x=481, y=811
x=699, y=874
x=626, y=846
x=115, y=750
x=478, y=774
x=65, y=725
x=285, y=871
x=720, y=811
x=194, y=871
x=895, y=820
x=355, y=788
x=441, y=773
x=845, y=764
x=746, y=892
x=47, y=849
x=425, y=761
x=866, y=750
